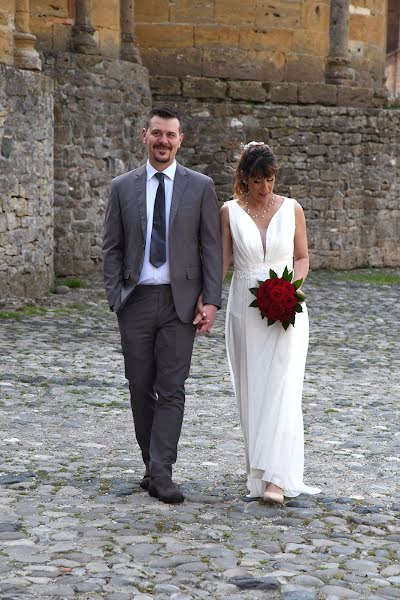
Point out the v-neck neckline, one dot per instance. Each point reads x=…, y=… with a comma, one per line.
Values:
x=260, y=233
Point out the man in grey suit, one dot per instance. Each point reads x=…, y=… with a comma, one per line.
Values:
x=163, y=272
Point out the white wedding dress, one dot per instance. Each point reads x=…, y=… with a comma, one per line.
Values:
x=266, y=362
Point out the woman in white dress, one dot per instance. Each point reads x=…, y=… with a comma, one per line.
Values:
x=264, y=231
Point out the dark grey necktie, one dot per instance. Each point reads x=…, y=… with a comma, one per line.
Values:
x=158, y=244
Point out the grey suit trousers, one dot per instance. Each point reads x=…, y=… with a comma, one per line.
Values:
x=157, y=348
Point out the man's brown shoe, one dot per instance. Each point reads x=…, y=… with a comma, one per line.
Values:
x=165, y=490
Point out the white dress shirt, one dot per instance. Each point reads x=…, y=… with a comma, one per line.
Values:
x=150, y=275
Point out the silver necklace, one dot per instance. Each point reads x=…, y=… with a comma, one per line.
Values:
x=266, y=209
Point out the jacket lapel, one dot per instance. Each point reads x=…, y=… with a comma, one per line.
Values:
x=140, y=195
x=180, y=183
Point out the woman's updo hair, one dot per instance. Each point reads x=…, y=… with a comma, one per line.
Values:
x=257, y=160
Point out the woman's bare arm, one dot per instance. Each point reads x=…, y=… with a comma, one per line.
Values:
x=301, y=260
x=226, y=239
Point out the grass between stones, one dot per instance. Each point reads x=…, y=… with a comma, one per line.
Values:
x=372, y=277
x=33, y=311
x=71, y=282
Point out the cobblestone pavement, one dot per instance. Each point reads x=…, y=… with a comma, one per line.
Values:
x=74, y=522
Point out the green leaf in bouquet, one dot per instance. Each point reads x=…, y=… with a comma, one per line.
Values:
x=298, y=308
x=271, y=321
x=300, y=297
x=287, y=275
x=285, y=324
x=272, y=274
x=260, y=282
x=297, y=283
x=253, y=291
x=254, y=304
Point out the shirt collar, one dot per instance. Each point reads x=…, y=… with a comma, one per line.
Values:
x=169, y=171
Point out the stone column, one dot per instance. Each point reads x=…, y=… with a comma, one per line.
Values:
x=25, y=55
x=128, y=49
x=82, y=31
x=337, y=69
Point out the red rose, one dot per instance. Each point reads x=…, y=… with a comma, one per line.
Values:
x=277, y=298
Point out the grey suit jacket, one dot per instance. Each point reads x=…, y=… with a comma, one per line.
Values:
x=195, y=250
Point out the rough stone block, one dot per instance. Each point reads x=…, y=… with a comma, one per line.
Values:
x=165, y=86
x=192, y=11
x=304, y=68
x=164, y=36
x=152, y=11
x=315, y=16
x=109, y=42
x=55, y=8
x=307, y=41
x=354, y=96
x=232, y=12
x=203, y=87
x=105, y=14
x=241, y=64
x=40, y=27
x=5, y=18
x=376, y=31
x=266, y=39
x=61, y=36
x=216, y=36
x=247, y=90
x=287, y=15
x=19, y=206
x=3, y=223
x=317, y=93
x=63, y=134
x=284, y=93
x=357, y=26
x=171, y=62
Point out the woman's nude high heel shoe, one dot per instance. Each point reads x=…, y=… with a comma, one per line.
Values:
x=273, y=497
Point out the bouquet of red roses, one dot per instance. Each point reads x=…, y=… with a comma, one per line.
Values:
x=277, y=298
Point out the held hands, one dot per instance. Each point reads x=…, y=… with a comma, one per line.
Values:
x=205, y=316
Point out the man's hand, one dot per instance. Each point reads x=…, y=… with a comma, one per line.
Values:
x=205, y=316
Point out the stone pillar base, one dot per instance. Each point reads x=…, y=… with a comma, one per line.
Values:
x=338, y=71
x=131, y=54
x=82, y=40
x=129, y=51
x=25, y=55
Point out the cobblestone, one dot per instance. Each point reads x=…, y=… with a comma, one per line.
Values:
x=74, y=522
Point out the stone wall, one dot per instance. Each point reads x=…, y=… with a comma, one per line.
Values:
x=367, y=41
x=342, y=165
x=257, y=39
x=100, y=108
x=51, y=21
x=7, y=10
x=26, y=183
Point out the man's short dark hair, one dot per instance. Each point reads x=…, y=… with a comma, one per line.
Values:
x=164, y=111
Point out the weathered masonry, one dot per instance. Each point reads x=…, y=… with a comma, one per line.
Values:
x=317, y=79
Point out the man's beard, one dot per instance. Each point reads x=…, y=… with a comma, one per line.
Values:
x=163, y=159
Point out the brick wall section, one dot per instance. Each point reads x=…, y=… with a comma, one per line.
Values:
x=340, y=163
x=100, y=108
x=26, y=183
